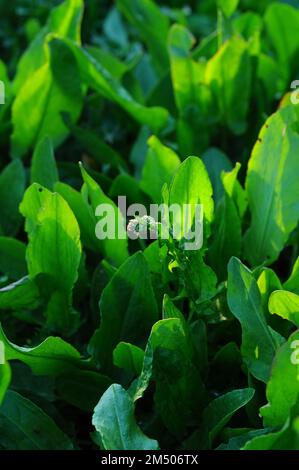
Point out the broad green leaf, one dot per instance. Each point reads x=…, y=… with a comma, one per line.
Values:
x=114, y=420
x=19, y=295
x=279, y=17
x=128, y=310
x=272, y=188
x=54, y=249
x=54, y=87
x=286, y=438
x=286, y=305
x=152, y=26
x=283, y=386
x=12, y=258
x=5, y=374
x=159, y=167
x=114, y=247
x=259, y=342
x=128, y=357
x=219, y=412
x=43, y=165
x=227, y=236
x=94, y=75
x=25, y=426
x=52, y=357
x=191, y=185
x=192, y=95
x=63, y=21
x=228, y=74
x=12, y=186
x=228, y=6
x=170, y=361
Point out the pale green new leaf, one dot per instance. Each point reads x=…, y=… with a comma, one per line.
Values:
x=53, y=88
x=190, y=186
x=64, y=21
x=228, y=73
x=54, y=249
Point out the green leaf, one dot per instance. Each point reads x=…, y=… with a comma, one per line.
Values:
x=286, y=438
x=43, y=165
x=286, y=305
x=152, y=26
x=94, y=75
x=22, y=294
x=192, y=95
x=54, y=88
x=54, y=249
x=128, y=310
x=267, y=283
x=114, y=248
x=191, y=185
x=283, y=386
x=114, y=420
x=228, y=6
x=280, y=17
x=228, y=74
x=12, y=186
x=82, y=388
x=129, y=357
x=292, y=284
x=259, y=342
x=95, y=146
x=83, y=214
x=12, y=258
x=5, y=374
x=52, y=357
x=272, y=189
x=216, y=162
x=227, y=227
x=159, y=167
x=63, y=21
x=25, y=426
x=219, y=412
x=170, y=361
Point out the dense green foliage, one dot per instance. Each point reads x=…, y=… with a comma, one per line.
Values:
x=123, y=344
